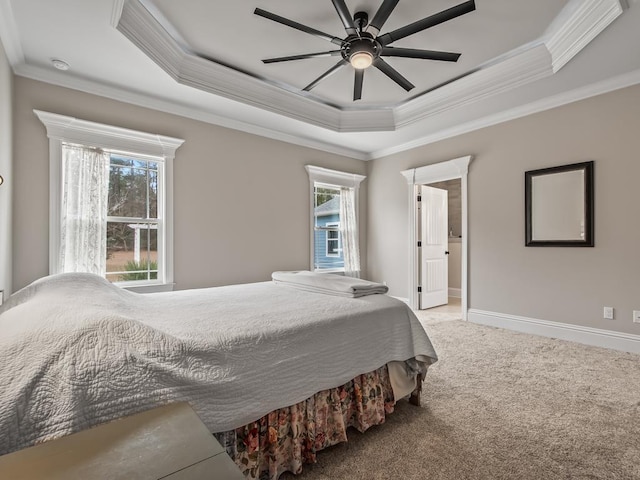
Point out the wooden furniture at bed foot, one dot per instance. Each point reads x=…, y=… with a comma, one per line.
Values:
x=168, y=443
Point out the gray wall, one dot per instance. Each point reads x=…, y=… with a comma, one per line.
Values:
x=568, y=285
x=228, y=183
x=6, y=95
x=241, y=201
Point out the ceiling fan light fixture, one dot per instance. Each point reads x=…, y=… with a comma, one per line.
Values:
x=361, y=60
x=363, y=47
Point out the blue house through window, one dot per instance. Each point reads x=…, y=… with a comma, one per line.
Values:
x=328, y=242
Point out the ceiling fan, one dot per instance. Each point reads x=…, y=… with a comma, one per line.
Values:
x=364, y=47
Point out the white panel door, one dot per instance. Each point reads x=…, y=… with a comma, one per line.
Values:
x=434, y=269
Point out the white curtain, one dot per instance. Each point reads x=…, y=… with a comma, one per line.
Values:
x=85, y=192
x=349, y=232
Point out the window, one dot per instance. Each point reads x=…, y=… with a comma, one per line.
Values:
x=334, y=236
x=133, y=219
x=111, y=202
x=326, y=226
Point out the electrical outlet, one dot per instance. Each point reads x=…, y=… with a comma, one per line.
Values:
x=608, y=313
x=636, y=316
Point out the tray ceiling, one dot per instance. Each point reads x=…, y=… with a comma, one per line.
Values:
x=504, y=43
x=236, y=37
x=202, y=59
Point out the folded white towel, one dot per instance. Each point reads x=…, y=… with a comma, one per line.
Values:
x=328, y=283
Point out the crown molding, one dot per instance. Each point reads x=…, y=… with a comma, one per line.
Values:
x=220, y=80
x=565, y=39
x=579, y=22
x=9, y=34
x=349, y=119
x=378, y=120
x=529, y=65
x=145, y=101
x=175, y=108
x=144, y=31
x=116, y=12
x=599, y=88
x=141, y=28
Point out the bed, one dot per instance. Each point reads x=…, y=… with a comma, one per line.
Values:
x=276, y=370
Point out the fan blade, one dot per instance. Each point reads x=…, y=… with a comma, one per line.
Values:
x=393, y=74
x=304, y=56
x=428, y=22
x=357, y=84
x=297, y=26
x=424, y=54
x=381, y=16
x=329, y=72
x=345, y=16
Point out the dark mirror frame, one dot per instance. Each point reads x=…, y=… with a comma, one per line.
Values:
x=588, y=241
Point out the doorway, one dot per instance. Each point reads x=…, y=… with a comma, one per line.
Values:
x=456, y=169
x=440, y=254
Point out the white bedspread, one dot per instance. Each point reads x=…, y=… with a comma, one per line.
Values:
x=76, y=351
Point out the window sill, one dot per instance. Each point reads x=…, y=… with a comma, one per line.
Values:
x=329, y=270
x=150, y=288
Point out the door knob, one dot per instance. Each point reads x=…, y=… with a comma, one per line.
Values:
x=446, y=253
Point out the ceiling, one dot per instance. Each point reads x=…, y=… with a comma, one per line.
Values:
x=202, y=59
x=200, y=28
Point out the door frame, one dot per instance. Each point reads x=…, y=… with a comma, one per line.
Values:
x=437, y=172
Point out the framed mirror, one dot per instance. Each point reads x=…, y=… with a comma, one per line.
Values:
x=559, y=206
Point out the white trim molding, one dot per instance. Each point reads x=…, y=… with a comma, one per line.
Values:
x=116, y=12
x=566, y=37
x=437, y=172
x=616, y=83
x=9, y=34
x=455, y=292
x=533, y=63
x=61, y=128
x=334, y=177
x=176, y=108
x=106, y=136
x=597, y=337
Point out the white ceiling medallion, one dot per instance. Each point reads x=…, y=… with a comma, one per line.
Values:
x=576, y=25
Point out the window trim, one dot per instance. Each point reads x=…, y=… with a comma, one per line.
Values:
x=62, y=128
x=330, y=178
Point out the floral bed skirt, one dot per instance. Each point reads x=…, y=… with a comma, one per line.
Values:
x=285, y=439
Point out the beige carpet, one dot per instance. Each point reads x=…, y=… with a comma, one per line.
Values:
x=503, y=405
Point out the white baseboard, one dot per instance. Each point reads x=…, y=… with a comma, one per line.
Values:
x=455, y=292
x=626, y=342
